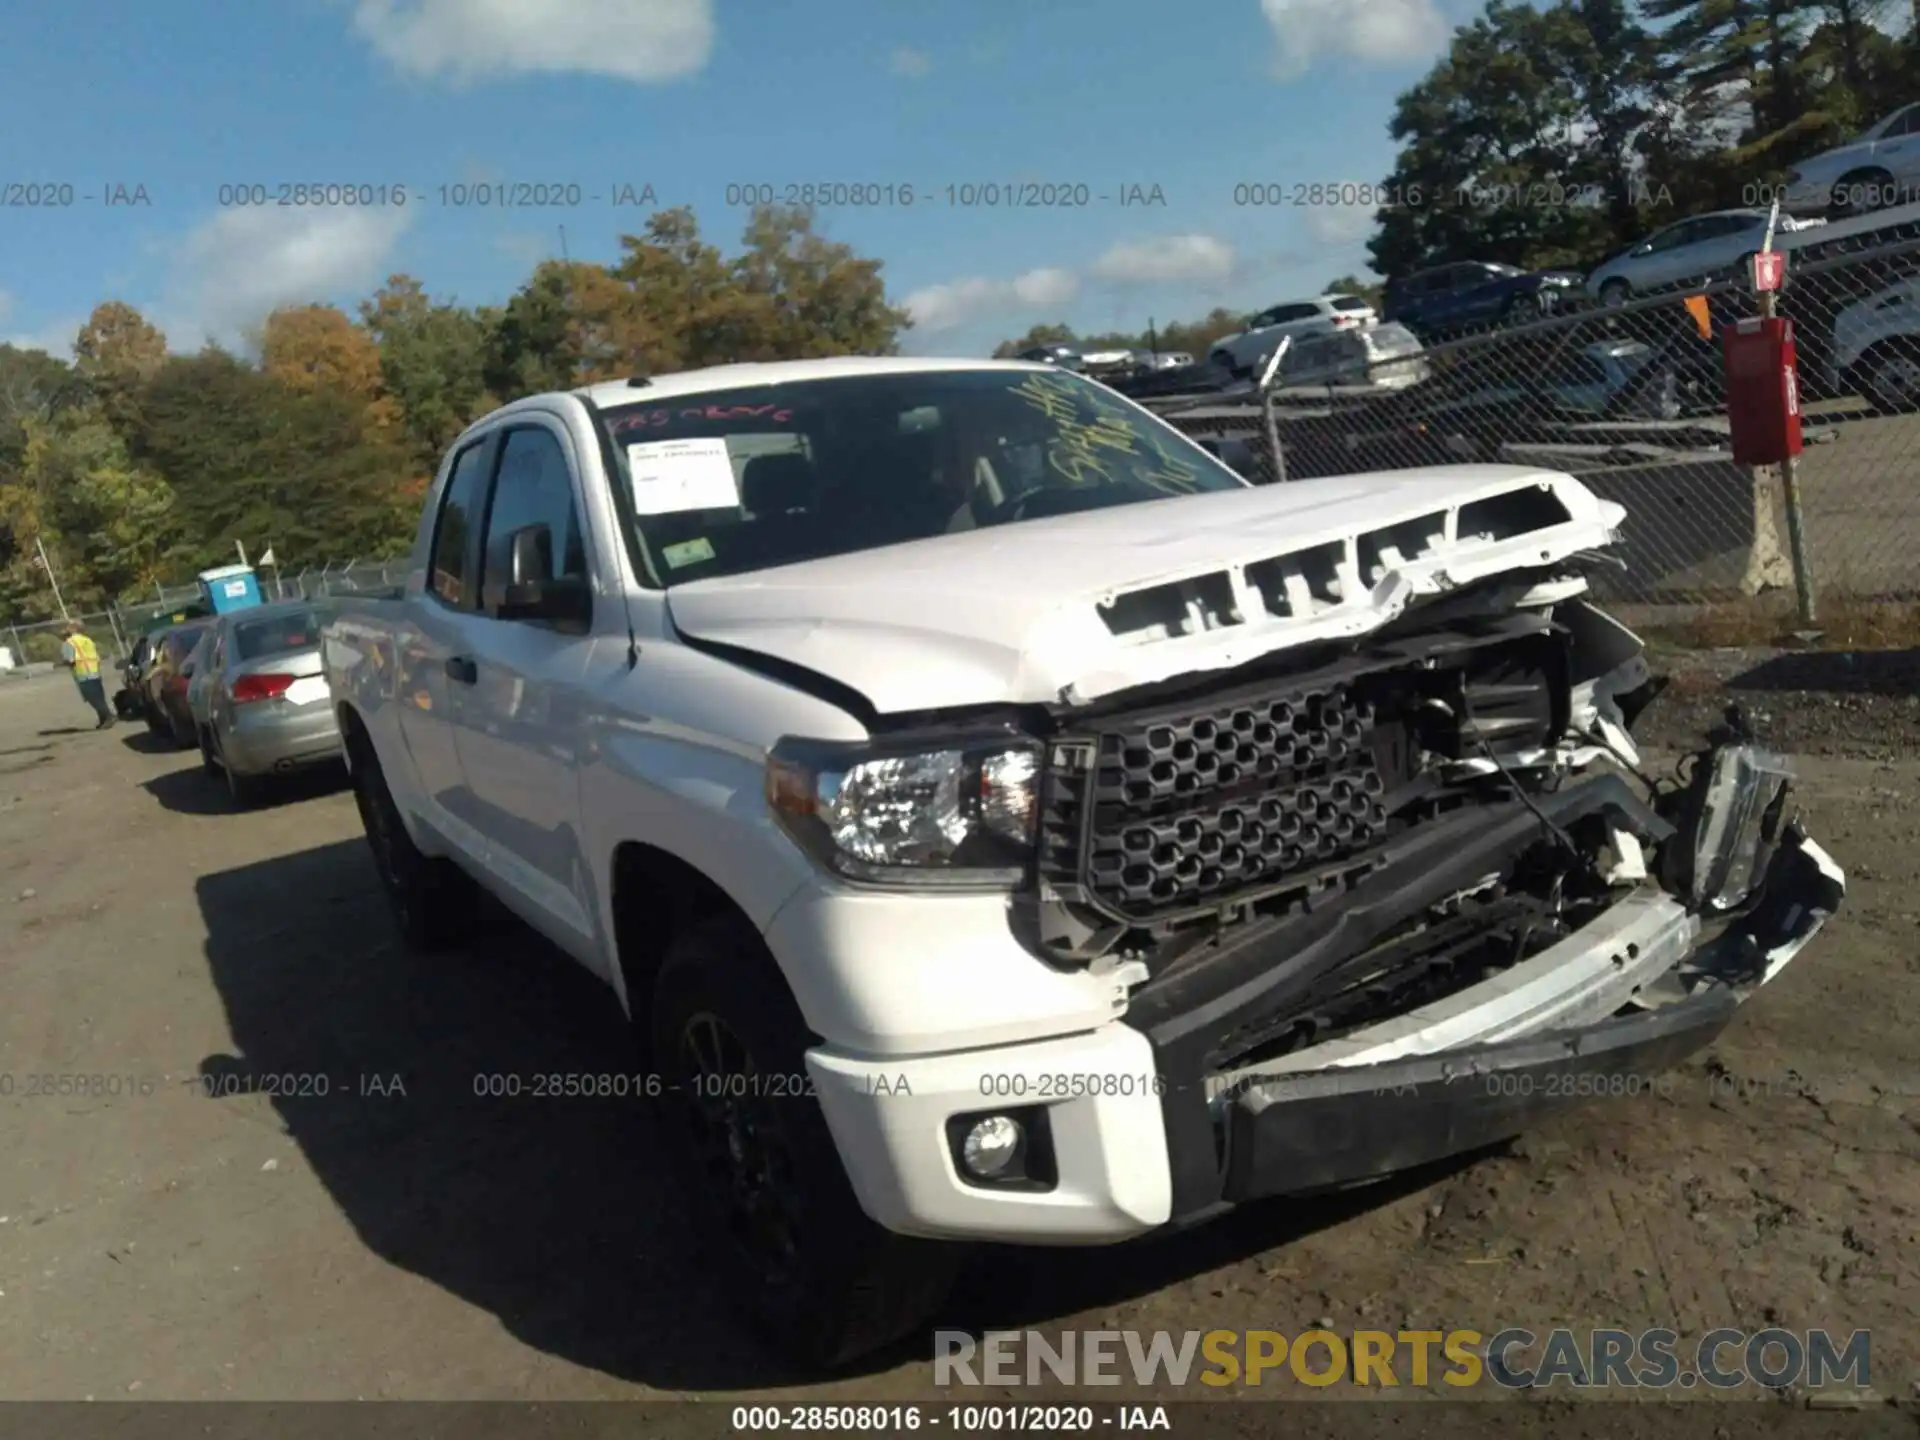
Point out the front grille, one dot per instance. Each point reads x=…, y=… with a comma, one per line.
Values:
x=1167, y=814
x=1194, y=808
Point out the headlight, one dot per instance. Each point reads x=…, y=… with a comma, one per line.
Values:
x=956, y=811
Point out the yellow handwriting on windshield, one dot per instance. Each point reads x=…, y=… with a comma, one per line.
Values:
x=1080, y=447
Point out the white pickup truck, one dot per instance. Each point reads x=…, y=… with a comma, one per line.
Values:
x=1001, y=823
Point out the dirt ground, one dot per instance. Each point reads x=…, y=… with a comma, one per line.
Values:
x=400, y=1237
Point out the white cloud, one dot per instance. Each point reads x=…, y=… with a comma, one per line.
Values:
x=1374, y=32
x=641, y=40
x=1340, y=225
x=908, y=61
x=235, y=269
x=54, y=336
x=949, y=306
x=1165, y=259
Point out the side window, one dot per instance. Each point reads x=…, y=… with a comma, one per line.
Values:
x=1670, y=239
x=534, y=487
x=447, y=572
x=1903, y=123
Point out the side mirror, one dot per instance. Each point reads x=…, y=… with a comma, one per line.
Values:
x=533, y=591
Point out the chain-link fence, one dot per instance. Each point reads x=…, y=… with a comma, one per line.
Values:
x=1631, y=397
x=37, y=643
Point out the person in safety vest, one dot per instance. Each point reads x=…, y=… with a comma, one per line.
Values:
x=80, y=655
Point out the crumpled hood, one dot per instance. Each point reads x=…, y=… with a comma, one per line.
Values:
x=1068, y=609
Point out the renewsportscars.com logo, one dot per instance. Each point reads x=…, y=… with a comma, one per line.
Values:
x=1512, y=1358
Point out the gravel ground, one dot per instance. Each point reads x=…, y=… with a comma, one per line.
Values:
x=399, y=1237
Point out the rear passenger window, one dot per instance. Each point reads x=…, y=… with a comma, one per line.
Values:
x=447, y=573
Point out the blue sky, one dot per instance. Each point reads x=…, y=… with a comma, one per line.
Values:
x=690, y=97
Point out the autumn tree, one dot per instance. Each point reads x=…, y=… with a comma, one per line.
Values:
x=316, y=347
x=116, y=352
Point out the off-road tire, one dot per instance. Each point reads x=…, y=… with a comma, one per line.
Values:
x=433, y=900
x=851, y=1287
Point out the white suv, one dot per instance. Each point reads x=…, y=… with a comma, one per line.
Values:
x=1249, y=350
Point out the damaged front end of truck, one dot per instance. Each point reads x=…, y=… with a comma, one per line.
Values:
x=1377, y=903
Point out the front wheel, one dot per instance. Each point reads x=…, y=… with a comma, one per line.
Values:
x=433, y=900
x=1615, y=292
x=814, y=1274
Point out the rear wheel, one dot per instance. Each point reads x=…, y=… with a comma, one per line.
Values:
x=1860, y=192
x=1615, y=292
x=433, y=900
x=816, y=1276
x=182, y=732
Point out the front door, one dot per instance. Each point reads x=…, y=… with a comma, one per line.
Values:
x=518, y=724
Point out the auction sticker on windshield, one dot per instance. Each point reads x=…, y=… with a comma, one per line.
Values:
x=670, y=476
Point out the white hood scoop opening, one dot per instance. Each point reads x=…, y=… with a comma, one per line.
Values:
x=1321, y=580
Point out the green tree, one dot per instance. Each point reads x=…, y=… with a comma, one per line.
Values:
x=433, y=361
x=254, y=461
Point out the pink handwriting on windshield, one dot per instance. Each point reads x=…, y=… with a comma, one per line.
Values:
x=658, y=419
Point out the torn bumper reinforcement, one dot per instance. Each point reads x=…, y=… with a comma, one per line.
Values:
x=1601, y=1013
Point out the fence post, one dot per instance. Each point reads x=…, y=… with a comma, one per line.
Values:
x=19, y=650
x=1267, y=413
x=1796, y=525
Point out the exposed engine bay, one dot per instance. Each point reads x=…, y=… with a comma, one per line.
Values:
x=1440, y=836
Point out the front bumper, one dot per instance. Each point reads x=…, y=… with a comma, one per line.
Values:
x=1145, y=1130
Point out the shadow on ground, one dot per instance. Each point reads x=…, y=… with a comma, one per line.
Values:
x=553, y=1214
x=143, y=741
x=194, y=790
x=1859, y=672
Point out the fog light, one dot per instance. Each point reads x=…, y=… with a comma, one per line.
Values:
x=991, y=1147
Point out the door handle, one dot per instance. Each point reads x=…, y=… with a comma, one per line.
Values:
x=462, y=668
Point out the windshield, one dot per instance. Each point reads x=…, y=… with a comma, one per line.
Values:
x=742, y=480
x=276, y=635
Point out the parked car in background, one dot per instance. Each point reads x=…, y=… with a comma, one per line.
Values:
x=1249, y=350
x=1172, y=360
x=1701, y=247
x=1115, y=363
x=264, y=708
x=1065, y=356
x=1387, y=355
x=1875, y=349
x=130, y=700
x=175, y=656
x=1473, y=293
x=1869, y=172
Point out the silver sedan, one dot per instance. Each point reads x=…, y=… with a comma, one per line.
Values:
x=264, y=707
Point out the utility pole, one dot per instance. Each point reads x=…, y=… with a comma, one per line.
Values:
x=47, y=565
